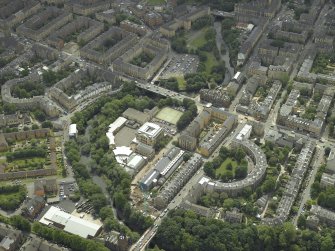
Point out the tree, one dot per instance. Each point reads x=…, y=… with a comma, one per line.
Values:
x=241, y=172
x=239, y=154
x=302, y=221
x=209, y=169
x=20, y=223
x=327, y=243
x=269, y=185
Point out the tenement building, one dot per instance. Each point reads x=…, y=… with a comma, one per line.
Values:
x=44, y=23
x=14, y=12
x=189, y=137
x=109, y=45
x=85, y=27
x=253, y=179
x=155, y=50
x=87, y=7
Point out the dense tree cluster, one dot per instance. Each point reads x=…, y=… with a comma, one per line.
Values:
x=52, y=77
x=184, y=230
x=195, y=82
x=321, y=62
x=143, y=59
x=189, y=114
x=75, y=242
x=202, y=22
x=231, y=37
x=170, y=84
x=215, y=4
x=238, y=155
x=98, y=117
x=11, y=197
x=39, y=151
x=275, y=155
x=28, y=89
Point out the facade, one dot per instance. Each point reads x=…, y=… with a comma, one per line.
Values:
x=86, y=7
x=140, y=30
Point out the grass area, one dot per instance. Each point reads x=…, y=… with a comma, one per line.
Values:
x=223, y=168
x=12, y=196
x=198, y=39
x=26, y=164
x=169, y=115
x=181, y=83
x=211, y=61
x=155, y=2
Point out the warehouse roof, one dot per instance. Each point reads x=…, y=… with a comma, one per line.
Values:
x=70, y=223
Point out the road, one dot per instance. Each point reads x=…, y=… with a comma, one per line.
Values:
x=306, y=194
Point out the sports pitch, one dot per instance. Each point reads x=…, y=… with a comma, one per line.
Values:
x=169, y=115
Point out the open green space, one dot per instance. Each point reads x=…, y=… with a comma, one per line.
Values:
x=210, y=62
x=228, y=164
x=11, y=196
x=26, y=164
x=143, y=59
x=197, y=39
x=181, y=83
x=169, y=115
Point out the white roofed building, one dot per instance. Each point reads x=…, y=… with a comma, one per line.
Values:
x=113, y=129
x=69, y=223
x=149, y=133
x=73, y=130
x=244, y=133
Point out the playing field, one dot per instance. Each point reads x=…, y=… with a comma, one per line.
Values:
x=169, y=115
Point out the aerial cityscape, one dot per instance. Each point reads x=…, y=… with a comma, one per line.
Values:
x=167, y=125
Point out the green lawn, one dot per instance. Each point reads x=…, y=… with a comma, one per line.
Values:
x=211, y=61
x=221, y=170
x=197, y=40
x=181, y=83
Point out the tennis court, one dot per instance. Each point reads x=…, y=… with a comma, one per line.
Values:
x=169, y=115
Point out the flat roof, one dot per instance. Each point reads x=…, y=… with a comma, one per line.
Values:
x=73, y=129
x=150, y=129
x=70, y=223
